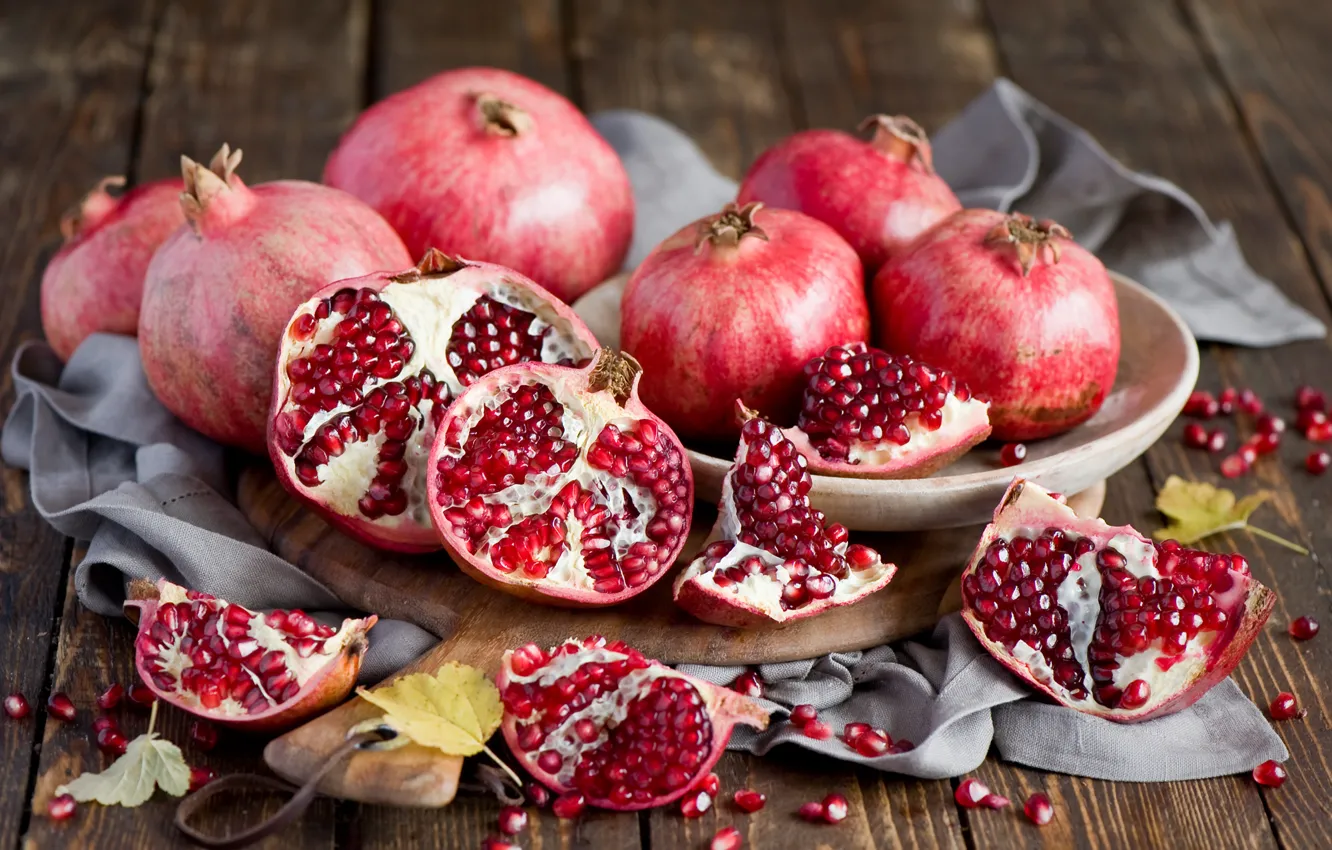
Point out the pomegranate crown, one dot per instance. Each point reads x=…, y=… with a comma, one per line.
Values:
x=614, y=372
x=729, y=226
x=434, y=263
x=203, y=185
x=93, y=207
x=501, y=117
x=901, y=138
x=1028, y=237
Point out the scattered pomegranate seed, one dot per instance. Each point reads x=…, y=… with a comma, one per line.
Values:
x=1301, y=628
x=1309, y=418
x=749, y=800
x=1270, y=424
x=569, y=805
x=1229, y=396
x=852, y=731
x=694, y=805
x=835, y=808
x=1249, y=402
x=1234, y=466
x=16, y=706
x=1249, y=453
x=1269, y=773
x=104, y=721
x=201, y=775
x=1012, y=454
x=995, y=801
x=818, y=730
x=727, y=838
x=712, y=784
x=491, y=842
x=873, y=743
x=901, y=745
x=803, y=713
x=812, y=812
x=748, y=684
x=1285, y=707
x=1202, y=405
x=1308, y=398
x=512, y=820
x=112, y=741
x=110, y=698
x=1216, y=441
x=62, y=807
x=1195, y=435
x=141, y=695
x=971, y=793
x=60, y=705
x=1265, y=442
x=1318, y=462
x=1320, y=432
x=203, y=735
x=1038, y=809
x=537, y=794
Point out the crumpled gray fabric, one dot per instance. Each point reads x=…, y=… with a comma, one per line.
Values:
x=108, y=464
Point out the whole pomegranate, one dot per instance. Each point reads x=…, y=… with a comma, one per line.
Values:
x=367, y=368
x=1100, y=618
x=1013, y=307
x=558, y=485
x=732, y=307
x=879, y=195
x=219, y=292
x=95, y=281
x=493, y=166
x=258, y=672
x=622, y=730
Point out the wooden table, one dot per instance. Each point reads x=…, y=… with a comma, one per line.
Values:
x=1227, y=97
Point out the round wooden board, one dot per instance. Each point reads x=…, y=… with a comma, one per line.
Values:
x=430, y=591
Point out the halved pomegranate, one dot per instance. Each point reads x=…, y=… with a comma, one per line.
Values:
x=367, y=368
x=258, y=672
x=558, y=485
x=1100, y=618
x=870, y=414
x=773, y=557
x=625, y=731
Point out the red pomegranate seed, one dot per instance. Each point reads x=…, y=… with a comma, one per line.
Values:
x=1234, y=466
x=1195, y=435
x=694, y=805
x=748, y=684
x=1249, y=453
x=1229, y=396
x=1201, y=404
x=1265, y=442
x=1249, y=402
x=971, y=793
x=16, y=706
x=512, y=820
x=852, y=731
x=1318, y=462
x=712, y=784
x=490, y=842
x=60, y=705
x=835, y=808
x=1012, y=454
x=1301, y=628
x=112, y=741
x=141, y=695
x=1038, y=809
x=873, y=743
x=803, y=713
x=1285, y=707
x=812, y=812
x=569, y=805
x=537, y=794
x=110, y=698
x=749, y=800
x=1216, y=441
x=201, y=775
x=818, y=730
x=104, y=721
x=995, y=801
x=203, y=735
x=1319, y=432
x=1308, y=398
x=1309, y=418
x=1270, y=424
x=61, y=808
x=901, y=745
x=727, y=838
x=1269, y=773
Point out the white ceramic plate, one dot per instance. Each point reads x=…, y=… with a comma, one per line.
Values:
x=1158, y=366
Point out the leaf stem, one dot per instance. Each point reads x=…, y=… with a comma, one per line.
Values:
x=1294, y=547
x=152, y=717
x=503, y=766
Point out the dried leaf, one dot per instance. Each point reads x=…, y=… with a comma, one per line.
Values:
x=455, y=711
x=1197, y=509
x=149, y=762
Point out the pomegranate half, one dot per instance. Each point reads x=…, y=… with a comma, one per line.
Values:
x=732, y=307
x=773, y=557
x=878, y=194
x=367, y=367
x=558, y=485
x=1100, y=618
x=491, y=165
x=1013, y=307
x=219, y=291
x=625, y=731
x=257, y=672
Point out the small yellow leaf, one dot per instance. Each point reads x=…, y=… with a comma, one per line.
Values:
x=1197, y=509
x=149, y=762
x=455, y=711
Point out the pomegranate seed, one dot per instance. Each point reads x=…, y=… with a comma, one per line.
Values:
x=727, y=838
x=818, y=730
x=104, y=721
x=512, y=820
x=1249, y=402
x=873, y=743
x=1301, y=628
x=1270, y=423
x=112, y=741
x=852, y=731
x=1319, y=432
x=537, y=794
x=1309, y=419
x=901, y=745
x=812, y=812
x=1038, y=809
x=1201, y=404
x=803, y=713
x=203, y=735
x=1216, y=441
x=201, y=775
x=712, y=784
x=1265, y=442
x=1248, y=453
x=490, y=842
x=1195, y=435
x=1012, y=454
x=972, y=793
x=1285, y=707
x=694, y=805
x=61, y=808
x=1228, y=398
x=1270, y=773
x=834, y=808
x=1234, y=466
x=1308, y=398
x=749, y=800
x=1318, y=462
x=61, y=706
x=110, y=698
x=748, y=684
x=16, y=705
x=141, y=695
x=569, y=805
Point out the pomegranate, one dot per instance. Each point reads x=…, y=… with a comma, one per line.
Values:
x=494, y=166
x=734, y=306
x=95, y=281
x=367, y=368
x=558, y=485
x=599, y=720
x=878, y=195
x=1014, y=308
x=772, y=557
x=1101, y=619
x=259, y=672
x=218, y=293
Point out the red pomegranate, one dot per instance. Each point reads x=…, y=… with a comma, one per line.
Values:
x=367, y=368
x=1100, y=618
x=732, y=307
x=879, y=195
x=258, y=672
x=95, y=281
x=558, y=485
x=493, y=166
x=599, y=721
x=219, y=292
x=1013, y=307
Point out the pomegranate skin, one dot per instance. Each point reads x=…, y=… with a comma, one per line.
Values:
x=493, y=166
x=95, y=281
x=1042, y=347
x=220, y=290
x=878, y=194
x=732, y=307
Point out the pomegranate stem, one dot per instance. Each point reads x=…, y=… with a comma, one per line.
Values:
x=502, y=117
x=900, y=138
x=732, y=224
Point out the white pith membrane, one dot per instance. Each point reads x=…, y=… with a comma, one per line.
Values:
x=428, y=308
x=1079, y=595
x=253, y=665
x=959, y=418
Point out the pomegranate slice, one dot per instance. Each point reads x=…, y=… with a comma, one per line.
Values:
x=624, y=731
x=558, y=485
x=773, y=557
x=367, y=367
x=259, y=672
x=1100, y=618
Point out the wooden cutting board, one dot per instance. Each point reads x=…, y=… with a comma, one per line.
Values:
x=480, y=623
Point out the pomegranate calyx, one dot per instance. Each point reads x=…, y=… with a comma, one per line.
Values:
x=435, y=263
x=1028, y=236
x=614, y=372
x=501, y=117
x=205, y=184
x=900, y=138
x=92, y=208
x=728, y=227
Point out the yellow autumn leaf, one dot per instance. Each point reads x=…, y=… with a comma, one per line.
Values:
x=456, y=710
x=1197, y=509
x=149, y=762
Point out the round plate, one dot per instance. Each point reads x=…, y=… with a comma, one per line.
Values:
x=1158, y=366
